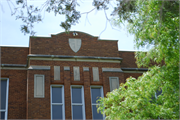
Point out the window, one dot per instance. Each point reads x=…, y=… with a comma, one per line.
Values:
x=95, y=73
x=4, y=98
x=39, y=86
x=76, y=74
x=114, y=83
x=77, y=102
x=96, y=93
x=157, y=93
x=56, y=72
x=57, y=102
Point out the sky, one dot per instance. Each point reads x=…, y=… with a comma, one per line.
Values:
x=94, y=25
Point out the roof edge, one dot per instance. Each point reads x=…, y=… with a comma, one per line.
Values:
x=135, y=69
x=14, y=65
x=13, y=46
x=75, y=31
x=70, y=57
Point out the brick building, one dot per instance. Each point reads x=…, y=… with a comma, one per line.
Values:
x=60, y=77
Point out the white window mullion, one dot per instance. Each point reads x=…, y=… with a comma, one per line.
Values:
x=95, y=104
x=7, y=93
x=3, y=110
x=57, y=103
x=76, y=104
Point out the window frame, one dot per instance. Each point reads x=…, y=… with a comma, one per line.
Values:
x=110, y=84
x=76, y=68
x=102, y=95
x=35, y=84
x=63, y=102
x=95, y=71
x=83, y=102
x=7, y=93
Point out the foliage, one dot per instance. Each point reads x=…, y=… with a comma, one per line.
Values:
x=156, y=23
x=31, y=14
x=153, y=22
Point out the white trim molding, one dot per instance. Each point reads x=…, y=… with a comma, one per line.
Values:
x=75, y=58
x=12, y=68
x=134, y=71
x=33, y=67
x=111, y=70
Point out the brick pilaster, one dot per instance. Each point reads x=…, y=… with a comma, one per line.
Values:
x=67, y=90
x=87, y=95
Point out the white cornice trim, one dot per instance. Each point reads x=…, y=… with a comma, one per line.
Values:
x=111, y=70
x=12, y=68
x=77, y=60
x=39, y=67
x=134, y=71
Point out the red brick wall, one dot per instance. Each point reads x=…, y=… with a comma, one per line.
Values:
x=59, y=45
x=106, y=75
x=38, y=108
x=129, y=60
x=17, y=93
x=67, y=84
x=86, y=79
x=14, y=55
x=87, y=94
x=21, y=106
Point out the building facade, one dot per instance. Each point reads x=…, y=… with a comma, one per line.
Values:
x=62, y=76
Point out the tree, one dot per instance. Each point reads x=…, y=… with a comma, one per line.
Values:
x=31, y=14
x=154, y=23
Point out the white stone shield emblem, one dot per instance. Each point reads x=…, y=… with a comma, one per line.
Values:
x=75, y=44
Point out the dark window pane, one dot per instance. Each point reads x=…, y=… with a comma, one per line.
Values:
x=95, y=114
x=158, y=92
x=77, y=112
x=95, y=93
x=57, y=112
x=56, y=95
x=2, y=115
x=155, y=96
x=3, y=93
x=76, y=95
